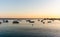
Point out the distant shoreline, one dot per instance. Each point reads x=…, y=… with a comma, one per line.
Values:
x=29, y=18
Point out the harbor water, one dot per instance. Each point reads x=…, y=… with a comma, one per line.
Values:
x=26, y=29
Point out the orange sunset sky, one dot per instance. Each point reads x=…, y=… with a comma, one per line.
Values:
x=29, y=8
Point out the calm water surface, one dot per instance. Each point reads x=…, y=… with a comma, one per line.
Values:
x=25, y=29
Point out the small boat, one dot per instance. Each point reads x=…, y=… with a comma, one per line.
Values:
x=31, y=21
x=38, y=20
x=5, y=21
x=15, y=22
x=52, y=20
x=27, y=20
x=0, y=22
x=43, y=22
x=49, y=21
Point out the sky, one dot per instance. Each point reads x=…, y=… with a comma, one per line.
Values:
x=30, y=8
